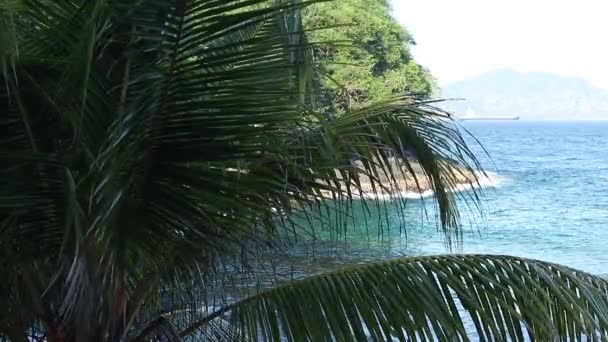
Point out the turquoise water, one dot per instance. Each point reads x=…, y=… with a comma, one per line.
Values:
x=550, y=201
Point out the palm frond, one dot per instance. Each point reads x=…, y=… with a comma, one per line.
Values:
x=382, y=142
x=149, y=139
x=474, y=297
x=123, y=157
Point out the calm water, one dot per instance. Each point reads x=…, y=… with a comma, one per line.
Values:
x=550, y=201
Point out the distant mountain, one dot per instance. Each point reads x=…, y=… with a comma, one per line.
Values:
x=535, y=95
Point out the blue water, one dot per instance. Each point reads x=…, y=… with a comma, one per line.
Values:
x=550, y=201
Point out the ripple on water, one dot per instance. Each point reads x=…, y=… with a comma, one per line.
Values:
x=548, y=199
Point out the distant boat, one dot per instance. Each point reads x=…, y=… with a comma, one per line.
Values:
x=492, y=118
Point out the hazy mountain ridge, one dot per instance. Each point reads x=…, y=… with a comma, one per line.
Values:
x=535, y=95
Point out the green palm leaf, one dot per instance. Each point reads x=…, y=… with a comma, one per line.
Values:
x=143, y=143
x=475, y=297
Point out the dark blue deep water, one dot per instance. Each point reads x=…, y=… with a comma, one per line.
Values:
x=549, y=202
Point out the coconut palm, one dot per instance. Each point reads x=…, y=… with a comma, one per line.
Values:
x=145, y=144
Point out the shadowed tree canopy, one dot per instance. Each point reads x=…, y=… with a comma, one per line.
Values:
x=364, y=55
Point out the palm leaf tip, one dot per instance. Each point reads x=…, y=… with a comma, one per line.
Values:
x=405, y=145
x=474, y=297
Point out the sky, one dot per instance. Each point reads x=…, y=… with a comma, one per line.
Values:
x=460, y=39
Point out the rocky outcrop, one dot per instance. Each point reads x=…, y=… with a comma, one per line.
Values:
x=398, y=181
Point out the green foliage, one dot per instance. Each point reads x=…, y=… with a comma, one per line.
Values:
x=364, y=54
x=145, y=141
x=144, y=144
x=432, y=298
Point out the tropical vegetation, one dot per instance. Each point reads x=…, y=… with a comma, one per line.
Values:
x=151, y=150
x=365, y=56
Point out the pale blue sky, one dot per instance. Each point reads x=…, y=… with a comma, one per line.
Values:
x=460, y=39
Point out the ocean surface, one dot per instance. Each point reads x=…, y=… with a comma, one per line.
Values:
x=551, y=197
x=547, y=199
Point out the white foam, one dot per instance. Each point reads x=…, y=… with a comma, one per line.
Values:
x=487, y=180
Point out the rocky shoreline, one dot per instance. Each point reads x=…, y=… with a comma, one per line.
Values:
x=406, y=184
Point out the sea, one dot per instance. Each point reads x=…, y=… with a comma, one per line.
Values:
x=546, y=198
x=550, y=195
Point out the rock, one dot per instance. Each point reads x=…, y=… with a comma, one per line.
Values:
x=401, y=181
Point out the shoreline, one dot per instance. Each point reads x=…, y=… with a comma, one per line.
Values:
x=489, y=180
x=418, y=185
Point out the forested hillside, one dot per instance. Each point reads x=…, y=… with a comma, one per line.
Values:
x=364, y=54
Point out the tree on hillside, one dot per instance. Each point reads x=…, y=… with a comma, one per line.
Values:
x=364, y=55
x=147, y=144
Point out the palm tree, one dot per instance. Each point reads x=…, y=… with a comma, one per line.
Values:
x=145, y=143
